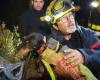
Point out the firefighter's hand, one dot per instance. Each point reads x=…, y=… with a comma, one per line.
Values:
x=73, y=57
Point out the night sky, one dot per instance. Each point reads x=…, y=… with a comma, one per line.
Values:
x=10, y=10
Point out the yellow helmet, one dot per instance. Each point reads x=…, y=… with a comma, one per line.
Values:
x=57, y=9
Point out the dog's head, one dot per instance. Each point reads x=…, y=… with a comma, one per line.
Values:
x=35, y=40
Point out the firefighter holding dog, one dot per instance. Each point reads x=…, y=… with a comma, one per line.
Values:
x=84, y=45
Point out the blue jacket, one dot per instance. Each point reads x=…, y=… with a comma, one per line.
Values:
x=90, y=47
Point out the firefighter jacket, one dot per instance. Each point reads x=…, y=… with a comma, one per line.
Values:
x=87, y=43
x=94, y=20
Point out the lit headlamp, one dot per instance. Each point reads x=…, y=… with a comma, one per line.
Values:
x=95, y=4
x=46, y=18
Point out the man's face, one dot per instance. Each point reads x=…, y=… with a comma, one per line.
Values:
x=66, y=24
x=38, y=4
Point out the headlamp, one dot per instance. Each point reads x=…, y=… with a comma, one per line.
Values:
x=48, y=18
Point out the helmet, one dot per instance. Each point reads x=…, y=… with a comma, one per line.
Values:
x=57, y=9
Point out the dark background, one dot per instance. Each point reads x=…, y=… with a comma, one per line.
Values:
x=10, y=10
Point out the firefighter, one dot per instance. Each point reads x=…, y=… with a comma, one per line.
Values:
x=94, y=20
x=84, y=45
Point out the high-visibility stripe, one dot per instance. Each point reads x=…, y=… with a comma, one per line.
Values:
x=95, y=27
x=49, y=69
x=95, y=45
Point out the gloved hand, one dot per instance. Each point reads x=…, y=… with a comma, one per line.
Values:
x=57, y=59
x=68, y=64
